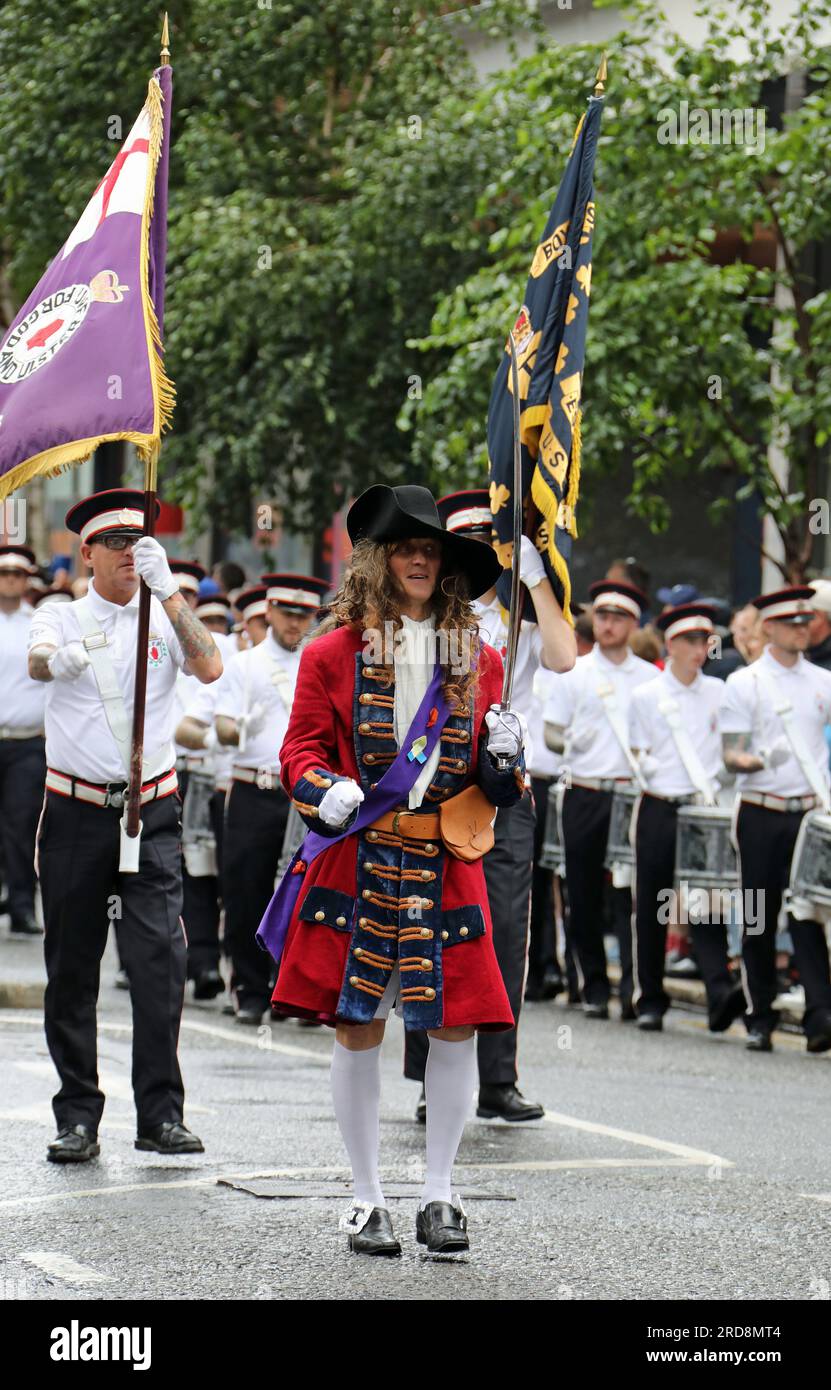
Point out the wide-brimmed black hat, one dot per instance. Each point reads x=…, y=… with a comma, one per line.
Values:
x=400, y=513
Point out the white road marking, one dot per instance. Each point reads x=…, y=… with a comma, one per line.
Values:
x=628, y=1136
x=64, y=1268
x=545, y=1165
x=817, y=1196
x=190, y=1025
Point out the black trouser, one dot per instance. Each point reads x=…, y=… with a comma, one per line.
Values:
x=22, y=775
x=255, y=823
x=542, y=946
x=654, y=875
x=766, y=841
x=200, y=910
x=508, y=870
x=585, y=818
x=83, y=891
x=709, y=941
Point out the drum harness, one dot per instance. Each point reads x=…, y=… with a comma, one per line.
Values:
x=692, y=763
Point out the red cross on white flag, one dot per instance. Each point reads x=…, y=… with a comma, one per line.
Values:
x=122, y=188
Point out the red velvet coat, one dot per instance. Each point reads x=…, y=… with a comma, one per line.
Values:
x=354, y=914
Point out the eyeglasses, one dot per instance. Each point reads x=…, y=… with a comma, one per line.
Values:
x=117, y=541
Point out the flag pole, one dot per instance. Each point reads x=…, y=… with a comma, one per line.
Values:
x=131, y=823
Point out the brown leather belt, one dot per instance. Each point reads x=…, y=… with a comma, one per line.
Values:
x=411, y=825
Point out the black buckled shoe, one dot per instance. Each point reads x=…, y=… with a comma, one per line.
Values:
x=370, y=1230
x=421, y=1109
x=208, y=985
x=650, y=1023
x=507, y=1103
x=250, y=1014
x=442, y=1227
x=170, y=1137
x=74, y=1144
x=758, y=1041
x=596, y=1010
x=730, y=1007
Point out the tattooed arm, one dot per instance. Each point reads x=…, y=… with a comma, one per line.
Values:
x=737, y=758
x=198, y=646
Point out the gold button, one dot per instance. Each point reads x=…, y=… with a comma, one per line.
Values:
x=366, y=893
x=372, y=834
x=341, y=921
x=368, y=670
x=429, y=848
x=461, y=764
x=369, y=757
x=429, y=994
x=426, y=932
x=320, y=916
x=354, y=979
x=463, y=931
x=426, y=874
x=326, y=781
x=358, y=952
x=426, y=902
x=363, y=728
x=445, y=935
x=426, y=964
x=362, y=921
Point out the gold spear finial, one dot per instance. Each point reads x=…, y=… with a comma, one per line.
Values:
x=600, y=79
x=165, y=43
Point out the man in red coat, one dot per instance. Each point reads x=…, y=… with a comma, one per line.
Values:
x=388, y=914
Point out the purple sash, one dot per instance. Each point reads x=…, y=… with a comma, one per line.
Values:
x=394, y=787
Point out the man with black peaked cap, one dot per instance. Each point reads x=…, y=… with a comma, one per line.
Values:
x=22, y=762
x=586, y=717
x=509, y=865
x=674, y=729
x=772, y=721
x=252, y=714
x=85, y=651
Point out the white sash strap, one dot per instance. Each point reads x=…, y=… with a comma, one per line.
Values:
x=785, y=710
x=686, y=752
x=606, y=693
x=96, y=643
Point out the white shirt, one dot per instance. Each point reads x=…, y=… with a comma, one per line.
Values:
x=266, y=675
x=546, y=762
x=78, y=737
x=202, y=707
x=493, y=629
x=698, y=706
x=747, y=708
x=414, y=658
x=22, y=698
x=574, y=704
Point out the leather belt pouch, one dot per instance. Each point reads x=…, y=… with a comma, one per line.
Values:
x=466, y=824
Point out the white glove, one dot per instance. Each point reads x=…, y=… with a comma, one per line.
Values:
x=531, y=567
x=339, y=803
x=777, y=754
x=648, y=765
x=150, y=562
x=210, y=739
x=67, y=663
x=508, y=731
x=578, y=743
x=255, y=720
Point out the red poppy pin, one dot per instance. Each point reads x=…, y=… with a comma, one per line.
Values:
x=432, y=717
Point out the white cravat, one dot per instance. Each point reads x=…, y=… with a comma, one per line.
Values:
x=414, y=658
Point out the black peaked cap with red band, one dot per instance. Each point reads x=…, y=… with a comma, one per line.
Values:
x=602, y=593
x=793, y=604
x=117, y=509
x=297, y=593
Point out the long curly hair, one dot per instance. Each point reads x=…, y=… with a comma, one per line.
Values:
x=369, y=601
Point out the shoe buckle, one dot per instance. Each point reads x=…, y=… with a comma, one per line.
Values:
x=356, y=1217
x=457, y=1206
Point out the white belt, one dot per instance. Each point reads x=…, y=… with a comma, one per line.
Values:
x=600, y=784
x=21, y=731
x=252, y=774
x=108, y=793
x=780, y=803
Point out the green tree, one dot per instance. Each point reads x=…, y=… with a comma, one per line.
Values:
x=709, y=333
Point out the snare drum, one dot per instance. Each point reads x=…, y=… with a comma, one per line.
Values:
x=553, y=854
x=618, y=847
x=704, y=853
x=293, y=837
x=811, y=862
